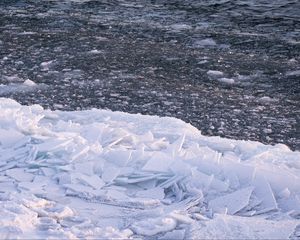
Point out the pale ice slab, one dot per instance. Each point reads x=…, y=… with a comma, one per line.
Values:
x=102, y=174
x=233, y=202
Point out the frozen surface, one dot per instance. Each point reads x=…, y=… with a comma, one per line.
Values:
x=102, y=174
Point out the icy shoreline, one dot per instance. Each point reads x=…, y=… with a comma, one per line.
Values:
x=101, y=174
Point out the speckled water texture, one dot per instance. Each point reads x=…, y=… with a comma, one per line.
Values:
x=160, y=58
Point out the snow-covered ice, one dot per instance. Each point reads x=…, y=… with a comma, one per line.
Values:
x=102, y=174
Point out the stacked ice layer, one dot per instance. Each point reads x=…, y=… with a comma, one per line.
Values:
x=102, y=174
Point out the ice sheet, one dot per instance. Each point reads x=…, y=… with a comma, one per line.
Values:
x=97, y=173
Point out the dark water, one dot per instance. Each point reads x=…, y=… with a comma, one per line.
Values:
x=152, y=57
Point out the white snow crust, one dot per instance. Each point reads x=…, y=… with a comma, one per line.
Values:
x=102, y=174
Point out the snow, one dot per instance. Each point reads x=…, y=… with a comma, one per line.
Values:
x=102, y=174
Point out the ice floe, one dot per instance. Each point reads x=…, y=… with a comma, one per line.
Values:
x=14, y=85
x=103, y=174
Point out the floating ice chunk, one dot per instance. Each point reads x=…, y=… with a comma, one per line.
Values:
x=226, y=80
x=95, y=51
x=215, y=73
x=267, y=99
x=46, y=65
x=159, y=162
x=205, y=42
x=154, y=226
x=29, y=83
x=233, y=202
x=293, y=73
x=180, y=26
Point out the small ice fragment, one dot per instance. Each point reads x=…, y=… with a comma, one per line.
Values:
x=29, y=83
x=181, y=218
x=267, y=99
x=20, y=175
x=95, y=51
x=32, y=187
x=159, y=162
x=205, y=42
x=264, y=193
x=63, y=178
x=60, y=212
x=46, y=65
x=214, y=73
x=118, y=157
x=155, y=193
x=116, y=194
x=79, y=188
x=147, y=184
x=110, y=172
x=180, y=26
x=218, y=185
x=201, y=180
x=8, y=138
x=233, y=202
x=93, y=181
x=150, y=227
x=80, y=153
x=7, y=187
x=285, y=193
x=53, y=144
x=176, y=146
x=48, y=171
x=176, y=234
x=180, y=167
x=85, y=168
x=293, y=73
x=226, y=80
